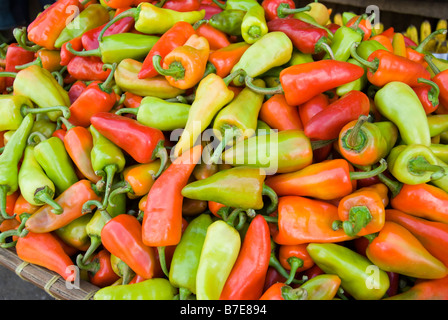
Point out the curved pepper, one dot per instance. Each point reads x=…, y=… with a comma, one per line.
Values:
x=151, y=289
x=358, y=277
x=324, y=180
x=246, y=280
x=185, y=65
x=285, y=151
x=186, y=256
x=399, y=103
x=219, y=253
x=414, y=164
x=395, y=249
x=71, y=200
x=428, y=95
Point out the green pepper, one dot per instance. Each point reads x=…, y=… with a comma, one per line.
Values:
x=160, y=114
x=228, y=21
x=357, y=84
x=93, y=16
x=441, y=64
x=151, y=289
x=244, y=5
x=440, y=151
x=254, y=25
x=442, y=182
x=126, y=77
x=298, y=57
x=185, y=261
x=220, y=250
x=347, y=16
x=438, y=123
x=359, y=277
x=414, y=164
x=117, y=47
x=52, y=156
x=9, y=161
x=11, y=111
x=44, y=125
x=35, y=186
x=239, y=187
x=343, y=39
x=284, y=151
x=38, y=85
x=322, y=287
x=366, y=48
x=272, y=50
x=238, y=120
x=399, y=103
x=262, y=128
x=75, y=234
x=107, y=160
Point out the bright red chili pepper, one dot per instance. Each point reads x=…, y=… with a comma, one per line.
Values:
x=182, y=5
x=278, y=114
x=66, y=55
x=216, y=38
x=312, y=107
x=90, y=38
x=75, y=90
x=141, y=142
x=16, y=56
x=248, y=274
x=87, y=69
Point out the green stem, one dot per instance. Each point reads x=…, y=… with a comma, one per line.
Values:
x=353, y=138
x=230, y=132
x=65, y=110
x=184, y=293
x=266, y=91
x=232, y=216
x=274, y=263
x=36, y=62
x=95, y=242
x=117, y=191
x=270, y=219
x=160, y=3
x=359, y=217
x=106, y=86
x=45, y=195
x=3, y=194
x=175, y=70
x=433, y=94
x=8, y=74
x=83, y=53
x=67, y=123
x=295, y=264
x=369, y=174
x=20, y=36
x=272, y=195
x=372, y=65
x=289, y=293
x=321, y=143
x=133, y=12
x=420, y=165
x=20, y=231
x=324, y=46
x=31, y=138
x=161, y=153
x=423, y=44
x=127, y=110
x=219, y=4
x=393, y=186
x=284, y=10
x=82, y=264
x=233, y=75
x=110, y=171
x=162, y=260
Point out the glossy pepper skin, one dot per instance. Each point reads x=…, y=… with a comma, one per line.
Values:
x=412, y=124
x=322, y=287
x=46, y=28
x=100, y=270
x=150, y=289
x=16, y=56
x=280, y=115
x=219, y=253
x=246, y=279
x=44, y=220
x=225, y=58
x=228, y=21
x=122, y=237
x=328, y=123
x=351, y=268
x=424, y=290
x=396, y=249
x=11, y=111
x=186, y=256
x=162, y=219
x=87, y=69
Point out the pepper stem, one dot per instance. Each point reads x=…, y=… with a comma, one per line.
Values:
x=120, y=190
x=369, y=174
x=353, y=138
x=95, y=242
x=231, y=218
x=37, y=62
x=8, y=74
x=161, y=153
x=83, y=53
x=359, y=217
x=266, y=91
x=133, y=12
x=393, y=186
x=431, y=64
x=3, y=193
x=45, y=195
x=230, y=132
x=295, y=263
x=175, y=70
x=127, y=110
x=233, y=75
x=24, y=110
x=219, y=4
x=20, y=36
x=433, y=94
x=110, y=171
x=324, y=46
x=20, y=231
x=272, y=195
x=92, y=266
x=106, y=86
x=373, y=65
x=284, y=10
x=162, y=260
x=420, y=165
x=289, y=293
x=67, y=123
x=423, y=44
x=31, y=138
x=184, y=293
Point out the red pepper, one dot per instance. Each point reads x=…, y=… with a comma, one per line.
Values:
x=312, y=107
x=210, y=9
x=295, y=257
x=225, y=58
x=305, y=37
x=327, y=124
x=16, y=56
x=281, y=291
x=278, y=114
x=441, y=80
x=175, y=37
x=44, y=250
x=428, y=94
x=141, y=142
x=75, y=90
x=97, y=97
x=119, y=4
x=425, y=290
x=248, y=274
x=132, y=100
x=216, y=38
x=100, y=271
x=182, y=5
x=162, y=219
x=90, y=38
x=87, y=69
x=122, y=237
x=66, y=55
x=280, y=9
x=364, y=25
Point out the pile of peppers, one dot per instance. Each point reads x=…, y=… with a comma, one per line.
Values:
x=325, y=176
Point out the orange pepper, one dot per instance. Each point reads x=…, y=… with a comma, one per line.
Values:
x=295, y=257
x=279, y=115
x=225, y=58
x=216, y=38
x=184, y=67
x=281, y=291
x=385, y=41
